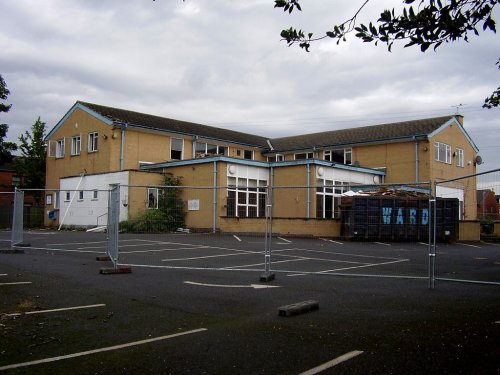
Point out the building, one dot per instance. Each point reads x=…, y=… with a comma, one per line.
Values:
x=94, y=147
x=487, y=205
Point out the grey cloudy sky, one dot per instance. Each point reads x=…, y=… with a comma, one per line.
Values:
x=222, y=63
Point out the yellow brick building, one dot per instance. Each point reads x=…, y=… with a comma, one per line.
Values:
x=94, y=147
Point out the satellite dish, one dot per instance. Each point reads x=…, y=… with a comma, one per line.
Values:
x=479, y=160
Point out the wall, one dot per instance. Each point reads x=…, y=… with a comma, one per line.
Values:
x=469, y=231
x=86, y=212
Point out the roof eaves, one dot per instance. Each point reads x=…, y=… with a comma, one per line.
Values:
x=77, y=105
x=462, y=129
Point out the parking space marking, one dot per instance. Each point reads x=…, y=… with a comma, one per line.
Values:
x=16, y=283
x=328, y=240
x=383, y=243
x=57, y=310
x=469, y=245
x=106, y=349
x=235, y=236
x=66, y=250
x=332, y=363
x=283, y=239
x=3, y=274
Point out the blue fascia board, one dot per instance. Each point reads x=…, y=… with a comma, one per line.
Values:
x=262, y=164
x=76, y=106
x=205, y=160
x=454, y=120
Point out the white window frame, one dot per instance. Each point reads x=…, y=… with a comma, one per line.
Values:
x=245, y=154
x=327, y=155
x=60, y=148
x=332, y=189
x=56, y=200
x=172, y=149
x=76, y=145
x=442, y=152
x=80, y=195
x=93, y=145
x=460, y=157
x=152, y=197
x=218, y=151
x=252, y=190
x=308, y=155
x=67, y=196
x=95, y=195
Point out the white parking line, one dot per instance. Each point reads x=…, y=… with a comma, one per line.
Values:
x=383, y=243
x=328, y=240
x=469, y=245
x=235, y=236
x=283, y=239
x=56, y=310
x=107, y=349
x=332, y=363
x=16, y=283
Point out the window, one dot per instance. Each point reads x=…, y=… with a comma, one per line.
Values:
x=343, y=156
x=67, y=197
x=248, y=154
x=460, y=157
x=16, y=180
x=80, y=195
x=152, y=198
x=93, y=142
x=246, y=197
x=203, y=149
x=56, y=200
x=176, y=146
x=304, y=155
x=60, y=148
x=328, y=196
x=48, y=199
x=76, y=145
x=442, y=152
x=277, y=157
x=95, y=195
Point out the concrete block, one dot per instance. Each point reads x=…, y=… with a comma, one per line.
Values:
x=298, y=308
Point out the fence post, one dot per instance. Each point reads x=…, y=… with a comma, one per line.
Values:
x=113, y=224
x=267, y=275
x=432, y=234
x=17, y=233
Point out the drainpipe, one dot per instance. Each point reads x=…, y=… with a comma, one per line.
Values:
x=122, y=146
x=308, y=190
x=214, y=225
x=417, y=161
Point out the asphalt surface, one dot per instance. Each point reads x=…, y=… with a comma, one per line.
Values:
x=230, y=327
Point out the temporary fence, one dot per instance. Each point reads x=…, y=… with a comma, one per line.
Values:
x=478, y=195
x=397, y=231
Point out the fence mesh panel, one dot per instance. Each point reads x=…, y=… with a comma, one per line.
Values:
x=472, y=261
x=395, y=219
x=193, y=227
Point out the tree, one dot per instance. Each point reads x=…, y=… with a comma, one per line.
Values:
x=430, y=24
x=31, y=164
x=6, y=148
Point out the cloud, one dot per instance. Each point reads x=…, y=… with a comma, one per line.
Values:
x=222, y=62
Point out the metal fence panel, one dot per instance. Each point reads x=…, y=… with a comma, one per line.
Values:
x=466, y=260
x=113, y=224
x=367, y=230
x=194, y=227
x=17, y=219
